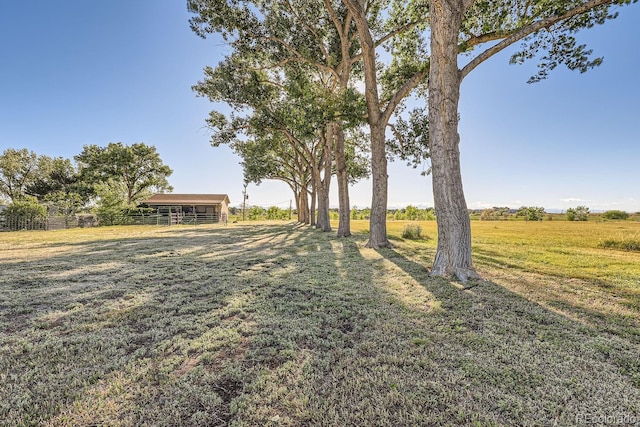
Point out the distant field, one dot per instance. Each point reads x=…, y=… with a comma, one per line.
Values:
x=278, y=324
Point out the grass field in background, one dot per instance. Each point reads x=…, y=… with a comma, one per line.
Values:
x=278, y=324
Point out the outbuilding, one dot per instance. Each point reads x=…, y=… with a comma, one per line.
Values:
x=189, y=208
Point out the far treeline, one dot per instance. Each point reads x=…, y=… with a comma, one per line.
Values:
x=106, y=180
x=413, y=213
x=314, y=88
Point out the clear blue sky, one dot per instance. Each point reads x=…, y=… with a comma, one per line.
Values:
x=92, y=72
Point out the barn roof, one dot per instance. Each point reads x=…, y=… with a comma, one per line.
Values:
x=186, y=199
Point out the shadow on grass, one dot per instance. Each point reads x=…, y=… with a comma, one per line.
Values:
x=504, y=332
x=284, y=325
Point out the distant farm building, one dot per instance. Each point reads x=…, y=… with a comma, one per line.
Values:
x=189, y=208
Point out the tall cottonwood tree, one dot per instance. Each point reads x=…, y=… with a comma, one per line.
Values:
x=275, y=159
x=397, y=29
x=287, y=116
x=545, y=27
x=458, y=27
x=317, y=33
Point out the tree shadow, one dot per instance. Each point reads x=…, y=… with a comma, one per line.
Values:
x=538, y=346
x=287, y=325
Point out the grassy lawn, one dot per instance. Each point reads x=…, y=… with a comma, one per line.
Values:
x=277, y=324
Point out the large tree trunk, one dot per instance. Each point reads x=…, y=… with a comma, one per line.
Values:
x=379, y=177
x=324, y=181
x=297, y=197
x=312, y=211
x=323, y=221
x=304, y=216
x=377, y=125
x=453, y=255
x=342, y=176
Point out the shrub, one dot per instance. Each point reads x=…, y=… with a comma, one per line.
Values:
x=25, y=213
x=495, y=214
x=412, y=232
x=399, y=215
x=275, y=212
x=256, y=213
x=615, y=214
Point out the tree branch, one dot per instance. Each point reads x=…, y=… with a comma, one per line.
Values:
x=403, y=92
x=484, y=38
x=298, y=57
x=313, y=31
x=397, y=31
x=530, y=29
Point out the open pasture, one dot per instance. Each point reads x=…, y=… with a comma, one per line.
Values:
x=277, y=324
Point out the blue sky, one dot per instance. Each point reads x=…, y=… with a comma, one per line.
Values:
x=76, y=72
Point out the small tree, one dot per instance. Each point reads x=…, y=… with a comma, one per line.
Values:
x=411, y=213
x=399, y=215
x=580, y=213
x=531, y=213
x=111, y=206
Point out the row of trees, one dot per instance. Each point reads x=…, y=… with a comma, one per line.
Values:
x=296, y=71
x=412, y=213
x=531, y=213
x=534, y=213
x=112, y=178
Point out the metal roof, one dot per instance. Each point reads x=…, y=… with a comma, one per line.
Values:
x=186, y=199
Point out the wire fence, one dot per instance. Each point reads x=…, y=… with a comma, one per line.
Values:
x=174, y=218
x=39, y=223
x=23, y=223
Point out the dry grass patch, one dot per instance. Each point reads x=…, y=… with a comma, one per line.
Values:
x=282, y=325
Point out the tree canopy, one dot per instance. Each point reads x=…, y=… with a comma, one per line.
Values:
x=401, y=48
x=18, y=171
x=136, y=168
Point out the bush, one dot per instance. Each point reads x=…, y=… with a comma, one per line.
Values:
x=25, y=214
x=615, y=214
x=256, y=213
x=412, y=232
x=275, y=212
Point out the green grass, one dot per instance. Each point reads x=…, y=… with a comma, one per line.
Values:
x=278, y=324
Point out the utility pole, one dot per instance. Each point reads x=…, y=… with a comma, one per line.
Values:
x=245, y=196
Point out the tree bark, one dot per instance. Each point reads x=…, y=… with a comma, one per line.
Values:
x=377, y=125
x=298, y=211
x=379, y=178
x=314, y=197
x=303, y=211
x=342, y=176
x=324, y=181
x=453, y=254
